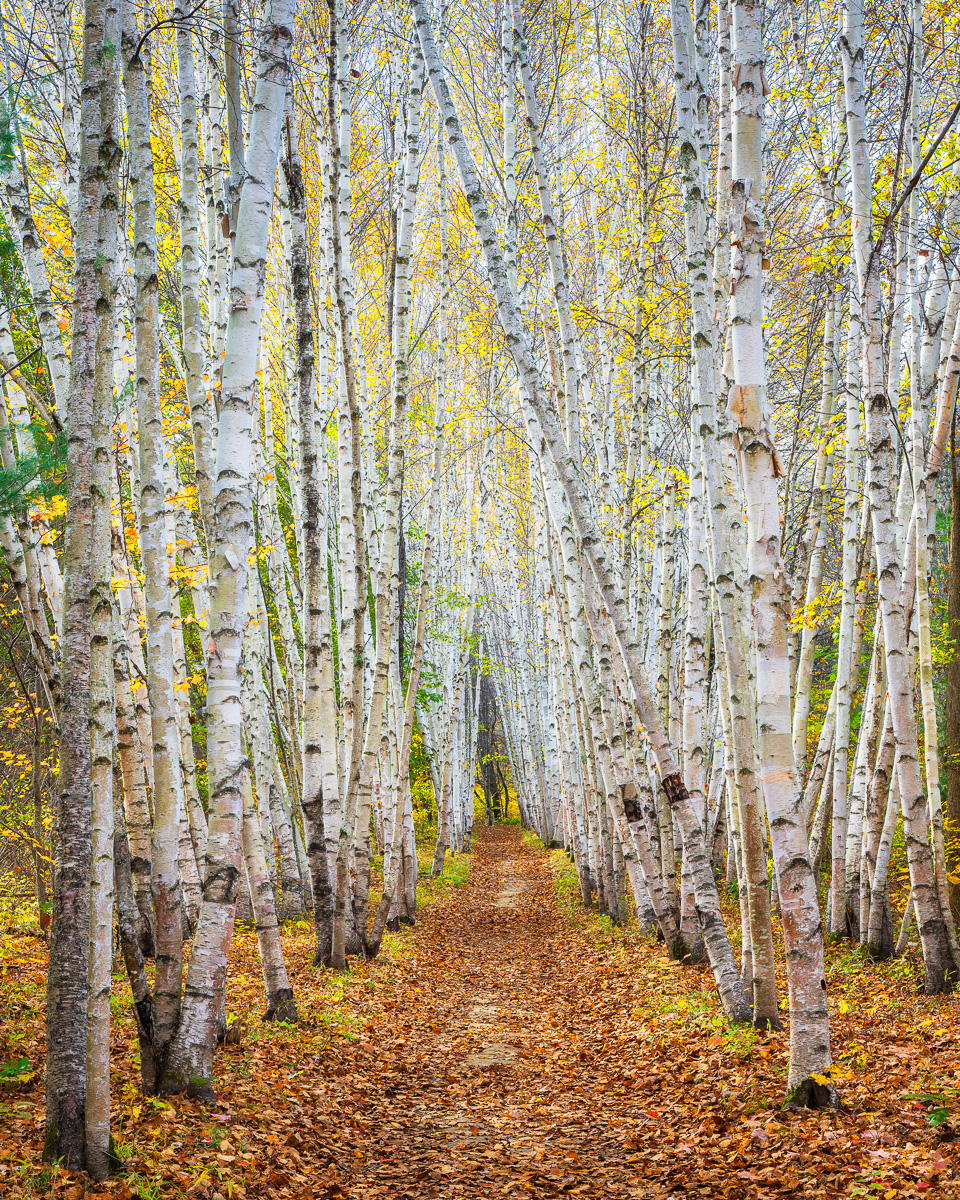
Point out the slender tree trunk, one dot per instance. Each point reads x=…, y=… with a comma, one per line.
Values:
x=99, y=1154
x=316, y=654
x=165, y=757
x=65, y=1136
x=387, y=582
x=281, y=1005
x=198, y=394
x=190, y=1063
x=354, y=616
x=392, y=879
x=952, y=728
x=760, y=469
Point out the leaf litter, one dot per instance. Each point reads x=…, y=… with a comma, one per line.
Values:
x=511, y=1044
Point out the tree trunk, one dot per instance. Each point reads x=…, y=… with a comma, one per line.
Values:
x=189, y=1065
x=952, y=728
x=99, y=1152
x=164, y=739
x=65, y=1136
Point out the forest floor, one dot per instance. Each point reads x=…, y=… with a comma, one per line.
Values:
x=511, y=1044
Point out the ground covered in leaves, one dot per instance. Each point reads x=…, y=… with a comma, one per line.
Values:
x=510, y=1045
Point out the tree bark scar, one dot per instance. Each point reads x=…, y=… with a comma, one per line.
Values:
x=220, y=884
x=631, y=808
x=811, y=1093
x=675, y=789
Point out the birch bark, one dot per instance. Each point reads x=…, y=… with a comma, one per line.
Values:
x=99, y=1154
x=281, y=1005
x=164, y=741
x=201, y=416
x=810, y=1051
x=847, y=669
x=881, y=447
x=71, y=832
x=190, y=1063
x=386, y=585
x=317, y=657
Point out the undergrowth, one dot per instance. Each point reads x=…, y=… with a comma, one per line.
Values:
x=605, y=932
x=455, y=874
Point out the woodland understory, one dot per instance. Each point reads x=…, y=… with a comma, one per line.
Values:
x=419, y=416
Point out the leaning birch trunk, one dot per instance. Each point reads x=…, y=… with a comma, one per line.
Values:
x=23, y=567
x=65, y=1137
x=190, y=1064
x=714, y=933
x=167, y=789
x=881, y=445
x=20, y=223
x=620, y=794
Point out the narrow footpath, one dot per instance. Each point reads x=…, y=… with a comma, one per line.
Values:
x=509, y=1078
x=507, y=1047
x=521, y=1055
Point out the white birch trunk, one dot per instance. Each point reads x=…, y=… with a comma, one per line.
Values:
x=881, y=443
x=190, y=1063
x=151, y=503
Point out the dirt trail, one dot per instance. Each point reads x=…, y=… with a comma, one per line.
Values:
x=500, y=1050
x=519, y=1055
x=496, y=1091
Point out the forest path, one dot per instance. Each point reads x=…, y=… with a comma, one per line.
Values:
x=525, y=1050
x=520, y=1055
x=509, y=1045
x=505, y=1082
